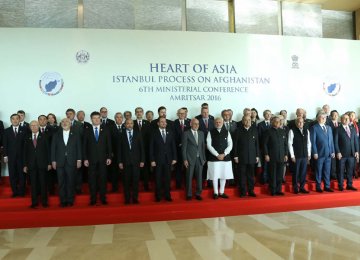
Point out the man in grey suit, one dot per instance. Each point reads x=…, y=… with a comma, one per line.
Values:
x=66, y=157
x=193, y=152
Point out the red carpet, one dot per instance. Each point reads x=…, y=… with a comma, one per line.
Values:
x=15, y=212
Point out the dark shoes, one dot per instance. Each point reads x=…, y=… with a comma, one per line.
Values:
x=280, y=193
x=252, y=194
x=303, y=191
x=169, y=199
x=198, y=197
x=319, y=190
x=188, y=197
x=351, y=188
x=328, y=190
x=224, y=196
x=215, y=196
x=33, y=206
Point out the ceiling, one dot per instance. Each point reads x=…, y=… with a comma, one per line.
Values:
x=339, y=5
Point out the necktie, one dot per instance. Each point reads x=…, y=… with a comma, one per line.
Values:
x=130, y=139
x=163, y=135
x=196, y=137
x=267, y=124
x=139, y=125
x=103, y=122
x=347, y=129
x=324, y=129
x=182, y=126
x=206, y=123
x=336, y=125
x=42, y=129
x=35, y=141
x=15, y=131
x=227, y=126
x=96, y=134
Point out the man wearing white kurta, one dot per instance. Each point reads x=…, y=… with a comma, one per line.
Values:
x=219, y=144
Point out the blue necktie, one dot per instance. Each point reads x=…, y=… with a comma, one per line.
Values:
x=96, y=134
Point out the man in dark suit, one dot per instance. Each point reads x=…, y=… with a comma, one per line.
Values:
x=206, y=124
x=162, y=156
x=143, y=126
x=65, y=158
x=181, y=124
x=116, y=131
x=1, y=142
x=347, y=150
x=97, y=152
x=262, y=127
x=22, y=122
x=105, y=121
x=322, y=150
x=13, y=141
x=132, y=157
x=204, y=105
x=162, y=114
x=246, y=154
x=275, y=150
x=193, y=154
x=300, y=152
x=333, y=123
x=37, y=163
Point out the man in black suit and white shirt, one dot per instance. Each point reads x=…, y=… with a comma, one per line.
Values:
x=346, y=145
x=132, y=157
x=37, y=163
x=65, y=158
x=22, y=122
x=13, y=141
x=262, y=128
x=162, y=156
x=97, y=153
x=181, y=124
x=104, y=117
x=193, y=154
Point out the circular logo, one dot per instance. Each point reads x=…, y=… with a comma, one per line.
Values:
x=82, y=56
x=331, y=88
x=51, y=83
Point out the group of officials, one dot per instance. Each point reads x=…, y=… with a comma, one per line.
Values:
x=204, y=148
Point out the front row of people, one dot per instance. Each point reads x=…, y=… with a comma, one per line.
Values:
x=68, y=150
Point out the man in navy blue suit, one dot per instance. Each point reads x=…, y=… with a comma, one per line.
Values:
x=322, y=150
x=347, y=150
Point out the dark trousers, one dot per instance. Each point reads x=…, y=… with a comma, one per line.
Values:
x=38, y=183
x=78, y=178
x=194, y=169
x=51, y=181
x=17, y=178
x=97, y=181
x=322, y=171
x=346, y=163
x=162, y=180
x=131, y=182
x=179, y=168
x=145, y=175
x=276, y=170
x=114, y=176
x=299, y=176
x=66, y=178
x=246, y=178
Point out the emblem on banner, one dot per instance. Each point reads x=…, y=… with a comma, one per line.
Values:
x=82, y=56
x=295, y=62
x=51, y=83
x=331, y=88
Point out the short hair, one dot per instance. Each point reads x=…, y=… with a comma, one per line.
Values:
x=21, y=112
x=265, y=111
x=283, y=111
x=148, y=112
x=185, y=108
x=118, y=113
x=101, y=108
x=95, y=113
x=13, y=116
x=343, y=115
x=139, y=108
x=204, y=105
x=297, y=119
x=80, y=111
x=70, y=110
x=41, y=116
x=320, y=113
x=161, y=108
x=334, y=111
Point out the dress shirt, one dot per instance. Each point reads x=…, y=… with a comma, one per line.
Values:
x=66, y=134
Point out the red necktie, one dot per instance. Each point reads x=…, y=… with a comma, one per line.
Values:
x=35, y=141
x=182, y=126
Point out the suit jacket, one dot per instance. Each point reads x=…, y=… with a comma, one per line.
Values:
x=178, y=131
x=202, y=127
x=331, y=124
x=246, y=145
x=38, y=156
x=14, y=146
x=161, y=152
x=145, y=125
x=344, y=144
x=262, y=128
x=135, y=154
x=71, y=152
x=1, y=132
x=116, y=139
x=97, y=151
x=275, y=144
x=322, y=143
x=109, y=122
x=190, y=149
x=169, y=124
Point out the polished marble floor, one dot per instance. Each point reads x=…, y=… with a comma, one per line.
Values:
x=315, y=234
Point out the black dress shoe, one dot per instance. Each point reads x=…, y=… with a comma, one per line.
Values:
x=341, y=188
x=215, y=196
x=188, y=197
x=242, y=195
x=45, y=205
x=104, y=202
x=63, y=205
x=14, y=196
x=252, y=194
x=70, y=204
x=136, y=201
x=296, y=191
x=198, y=197
x=33, y=206
x=328, y=190
x=351, y=188
x=319, y=190
x=92, y=203
x=169, y=199
x=304, y=191
x=224, y=196
x=280, y=193
x=157, y=199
